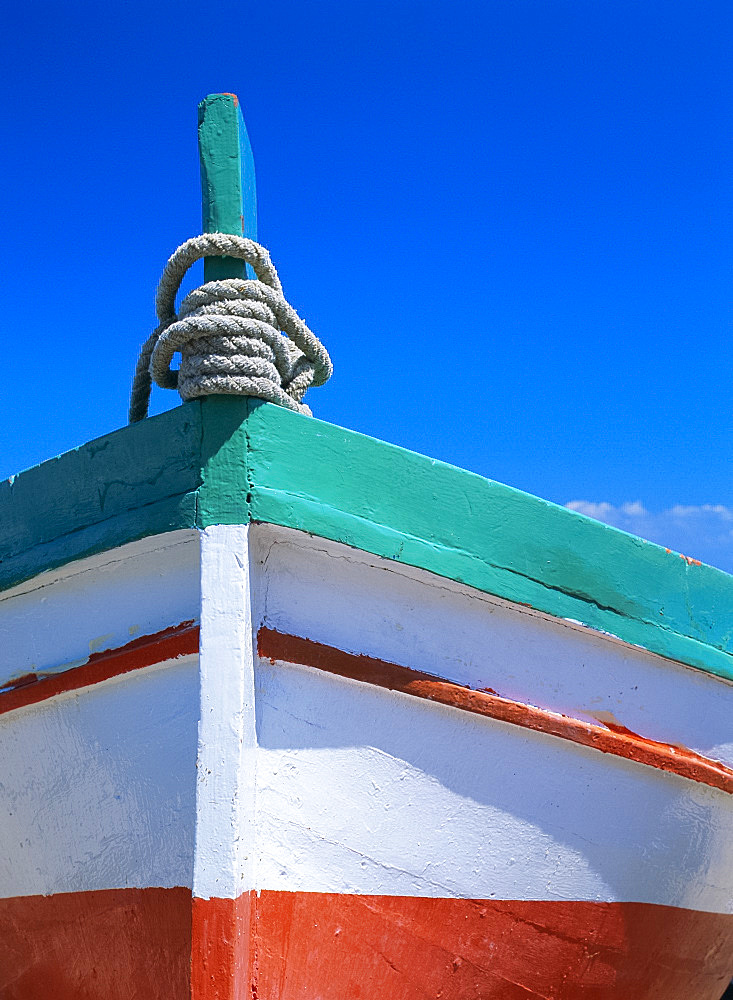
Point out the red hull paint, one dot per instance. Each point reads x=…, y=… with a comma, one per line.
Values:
x=115, y=944
x=339, y=947
x=125, y=943
x=220, y=955
x=614, y=739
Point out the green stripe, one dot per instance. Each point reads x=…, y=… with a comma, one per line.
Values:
x=156, y=518
x=230, y=460
x=73, y=505
x=380, y=498
x=228, y=193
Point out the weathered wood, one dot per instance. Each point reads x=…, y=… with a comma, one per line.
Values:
x=135, y=482
x=229, y=197
x=231, y=460
x=401, y=736
x=415, y=510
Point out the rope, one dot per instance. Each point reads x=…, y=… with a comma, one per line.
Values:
x=228, y=334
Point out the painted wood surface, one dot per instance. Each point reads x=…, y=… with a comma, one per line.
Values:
x=415, y=510
x=349, y=600
x=228, y=190
x=50, y=945
x=226, y=749
x=335, y=947
x=225, y=863
x=135, y=483
x=611, y=738
x=58, y=620
x=330, y=946
x=147, y=651
x=98, y=786
x=98, y=722
x=325, y=836
x=222, y=805
x=395, y=798
x=236, y=460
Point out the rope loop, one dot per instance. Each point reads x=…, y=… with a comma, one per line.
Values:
x=236, y=336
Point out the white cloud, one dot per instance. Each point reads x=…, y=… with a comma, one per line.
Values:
x=703, y=532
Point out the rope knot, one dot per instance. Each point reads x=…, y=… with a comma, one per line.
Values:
x=228, y=334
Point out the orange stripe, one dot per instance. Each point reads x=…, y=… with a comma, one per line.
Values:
x=146, y=651
x=620, y=742
x=113, y=944
x=221, y=955
x=183, y=640
x=343, y=947
x=121, y=943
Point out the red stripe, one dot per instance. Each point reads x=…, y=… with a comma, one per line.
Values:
x=124, y=943
x=221, y=968
x=107, y=945
x=146, y=651
x=335, y=947
x=183, y=640
x=620, y=742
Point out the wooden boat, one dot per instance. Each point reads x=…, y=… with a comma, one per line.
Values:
x=288, y=712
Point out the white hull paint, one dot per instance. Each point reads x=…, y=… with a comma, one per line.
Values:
x=429, y=801
x=345, y=774
x=55, y=621
x=230, y=775
x=96, y=788
x=358, y=602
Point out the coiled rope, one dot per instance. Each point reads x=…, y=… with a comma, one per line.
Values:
x=228, y=334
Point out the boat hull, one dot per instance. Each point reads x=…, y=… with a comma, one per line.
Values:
x=332, y=945
x=289, y=769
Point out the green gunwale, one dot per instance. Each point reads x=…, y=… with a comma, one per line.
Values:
x=228, y=460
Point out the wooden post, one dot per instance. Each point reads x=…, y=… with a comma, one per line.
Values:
x=228, y=193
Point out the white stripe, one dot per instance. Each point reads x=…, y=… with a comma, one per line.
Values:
x=360, y=603
x=96, y=788
x=56, y=620
x=353, y=789
x=226, y=748
x=361, y=790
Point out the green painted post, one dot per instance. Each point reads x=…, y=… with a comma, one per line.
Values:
x=228, y=193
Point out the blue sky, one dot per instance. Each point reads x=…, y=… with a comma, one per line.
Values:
x=510, y=222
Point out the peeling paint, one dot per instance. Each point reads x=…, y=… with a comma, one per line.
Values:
x=101, y=642
x=613, y=739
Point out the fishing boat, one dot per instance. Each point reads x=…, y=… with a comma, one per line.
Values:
x=289, y=712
